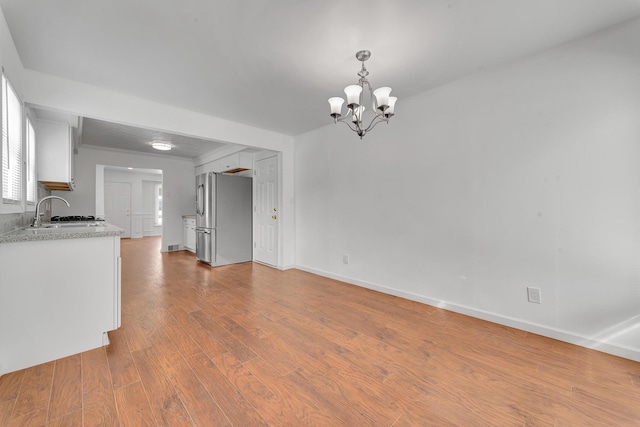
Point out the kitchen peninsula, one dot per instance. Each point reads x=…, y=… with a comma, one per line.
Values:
x=59, y=291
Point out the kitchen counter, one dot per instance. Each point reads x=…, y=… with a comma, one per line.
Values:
x=62, y=231
x=188, y=217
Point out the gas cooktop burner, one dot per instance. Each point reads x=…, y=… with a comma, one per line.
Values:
x=74, y=218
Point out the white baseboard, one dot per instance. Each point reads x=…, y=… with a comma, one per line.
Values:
x=535, y=328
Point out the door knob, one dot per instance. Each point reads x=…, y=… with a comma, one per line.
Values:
x=274, y=217
x=275, y=210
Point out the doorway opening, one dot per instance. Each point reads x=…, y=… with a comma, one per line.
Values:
x=130, y=198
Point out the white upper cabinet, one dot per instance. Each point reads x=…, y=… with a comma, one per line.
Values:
x=54, y=148
x=235, y=163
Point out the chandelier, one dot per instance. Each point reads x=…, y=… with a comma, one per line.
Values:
x=382, y=104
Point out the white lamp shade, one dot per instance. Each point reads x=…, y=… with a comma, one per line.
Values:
x=357, y=114
x=392, y=105
x=336, y=106
x=353, y=95
x=382, y=97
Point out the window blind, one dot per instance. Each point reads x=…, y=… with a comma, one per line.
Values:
x=31, y=163
x=11, y=145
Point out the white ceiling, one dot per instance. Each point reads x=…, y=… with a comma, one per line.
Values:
x=122, y=137
x=273, y=63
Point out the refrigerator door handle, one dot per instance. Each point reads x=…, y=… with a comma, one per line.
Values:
x=200, y=199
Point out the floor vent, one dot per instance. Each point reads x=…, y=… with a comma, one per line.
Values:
x=174, y=247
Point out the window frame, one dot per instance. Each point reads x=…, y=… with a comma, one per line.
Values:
x=19, y=206
x=30, y=163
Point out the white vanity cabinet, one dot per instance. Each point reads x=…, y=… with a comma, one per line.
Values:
x=57, y=298
x=189, y=233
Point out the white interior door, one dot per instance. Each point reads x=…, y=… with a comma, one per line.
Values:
x=117, y=205
x=266, y=214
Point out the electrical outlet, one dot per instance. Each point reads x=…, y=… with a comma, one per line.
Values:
x=534, y=295
x=345, y=259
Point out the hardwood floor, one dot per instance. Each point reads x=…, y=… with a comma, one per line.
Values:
x=247, y=345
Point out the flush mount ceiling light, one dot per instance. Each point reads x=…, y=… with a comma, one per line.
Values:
x=382, y=104
x=163, y=146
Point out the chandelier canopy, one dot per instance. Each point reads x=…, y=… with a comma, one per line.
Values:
x=382, y=104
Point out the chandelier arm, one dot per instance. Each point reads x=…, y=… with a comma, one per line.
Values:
x=348, y=124
x=347, y=120
x=374, y=122
x=377, y=116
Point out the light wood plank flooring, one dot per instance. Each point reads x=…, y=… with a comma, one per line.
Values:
x=247, y=345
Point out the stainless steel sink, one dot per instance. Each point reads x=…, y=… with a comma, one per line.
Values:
x=71, y=225
x=67, y=227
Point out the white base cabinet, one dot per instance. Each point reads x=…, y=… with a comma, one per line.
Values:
x=189, y=234
x=57, y=298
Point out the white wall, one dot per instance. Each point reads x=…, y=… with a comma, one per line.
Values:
x=526, y=175
x=178, y=186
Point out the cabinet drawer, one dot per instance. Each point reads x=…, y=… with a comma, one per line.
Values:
x=190, y=221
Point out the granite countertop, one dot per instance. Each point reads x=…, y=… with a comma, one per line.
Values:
x=62, y=231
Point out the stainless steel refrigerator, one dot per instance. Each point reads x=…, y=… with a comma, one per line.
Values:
x=223, y=219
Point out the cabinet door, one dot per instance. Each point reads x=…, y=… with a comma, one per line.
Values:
x=228, y=163
x=191, y=237
x=55, y=152
x=186, y=235
x=189, y=234
x=234, y=161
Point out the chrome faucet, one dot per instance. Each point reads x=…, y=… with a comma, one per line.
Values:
x=36, y=220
